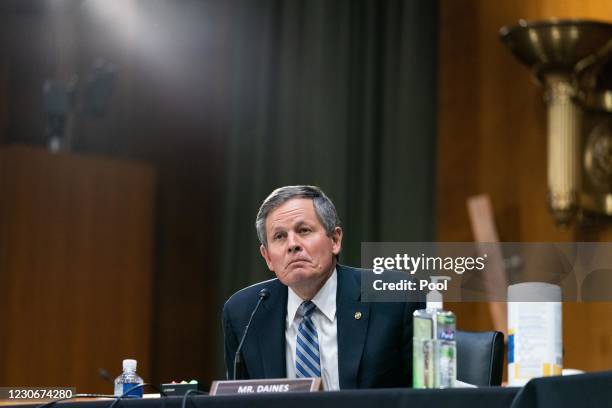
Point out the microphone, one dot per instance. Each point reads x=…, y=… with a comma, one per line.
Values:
x=103, y=373
x=263, y=295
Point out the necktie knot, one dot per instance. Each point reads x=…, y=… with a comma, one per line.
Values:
x=308, y=308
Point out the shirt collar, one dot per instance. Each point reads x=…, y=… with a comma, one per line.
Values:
x=325, y=299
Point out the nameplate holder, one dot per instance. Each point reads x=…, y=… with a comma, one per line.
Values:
x=275, y=385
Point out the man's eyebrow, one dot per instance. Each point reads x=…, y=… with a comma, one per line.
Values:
x=276, y=228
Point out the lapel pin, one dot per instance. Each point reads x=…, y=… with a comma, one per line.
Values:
x=357, y=315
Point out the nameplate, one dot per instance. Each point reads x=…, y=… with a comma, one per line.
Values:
x=276, y=385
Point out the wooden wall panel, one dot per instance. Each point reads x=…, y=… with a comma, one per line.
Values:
x=492, y=140
x=76, y=247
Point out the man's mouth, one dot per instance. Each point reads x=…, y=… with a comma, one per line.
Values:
x=298, y=261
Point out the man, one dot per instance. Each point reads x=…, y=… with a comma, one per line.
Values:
x=313, y=324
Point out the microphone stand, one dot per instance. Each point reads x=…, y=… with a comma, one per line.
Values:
x=263, y=295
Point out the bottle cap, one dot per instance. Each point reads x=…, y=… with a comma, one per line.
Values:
x=129, y=364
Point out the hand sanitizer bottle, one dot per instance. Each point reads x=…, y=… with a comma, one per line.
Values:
x=424, y=341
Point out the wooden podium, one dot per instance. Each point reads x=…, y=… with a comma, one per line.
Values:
x=76, y=246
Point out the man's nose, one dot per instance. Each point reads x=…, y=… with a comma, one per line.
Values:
x=293, y=244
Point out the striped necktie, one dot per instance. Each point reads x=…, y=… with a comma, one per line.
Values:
x=307, y=358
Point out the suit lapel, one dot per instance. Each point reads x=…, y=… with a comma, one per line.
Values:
x=271, y=332
x=353, y=317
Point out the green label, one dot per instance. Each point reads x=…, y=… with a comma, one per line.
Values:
x=422, y=328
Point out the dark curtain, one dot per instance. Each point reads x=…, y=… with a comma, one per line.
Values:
x=340, y=94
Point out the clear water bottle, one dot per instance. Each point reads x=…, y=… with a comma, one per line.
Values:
x=128, y=379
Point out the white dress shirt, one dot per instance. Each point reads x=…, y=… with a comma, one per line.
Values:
x=324, y=319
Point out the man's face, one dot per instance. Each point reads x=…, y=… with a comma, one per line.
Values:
x=299, y=250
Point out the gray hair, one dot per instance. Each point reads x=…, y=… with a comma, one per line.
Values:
x=324, y=208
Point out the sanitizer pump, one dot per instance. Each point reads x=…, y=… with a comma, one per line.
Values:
x=434, y=297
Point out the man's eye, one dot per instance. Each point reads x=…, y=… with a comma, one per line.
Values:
x=277, y=237
x=304, y=230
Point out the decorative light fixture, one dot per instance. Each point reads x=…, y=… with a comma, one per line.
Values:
x=595, y=94
x=568, y=59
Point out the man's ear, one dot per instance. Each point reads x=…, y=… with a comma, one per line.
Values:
x=264, y=253
x=336, y=238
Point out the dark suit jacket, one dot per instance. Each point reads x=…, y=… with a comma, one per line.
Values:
x=374, y=351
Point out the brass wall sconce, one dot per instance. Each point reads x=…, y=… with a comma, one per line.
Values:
x=572, y=61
